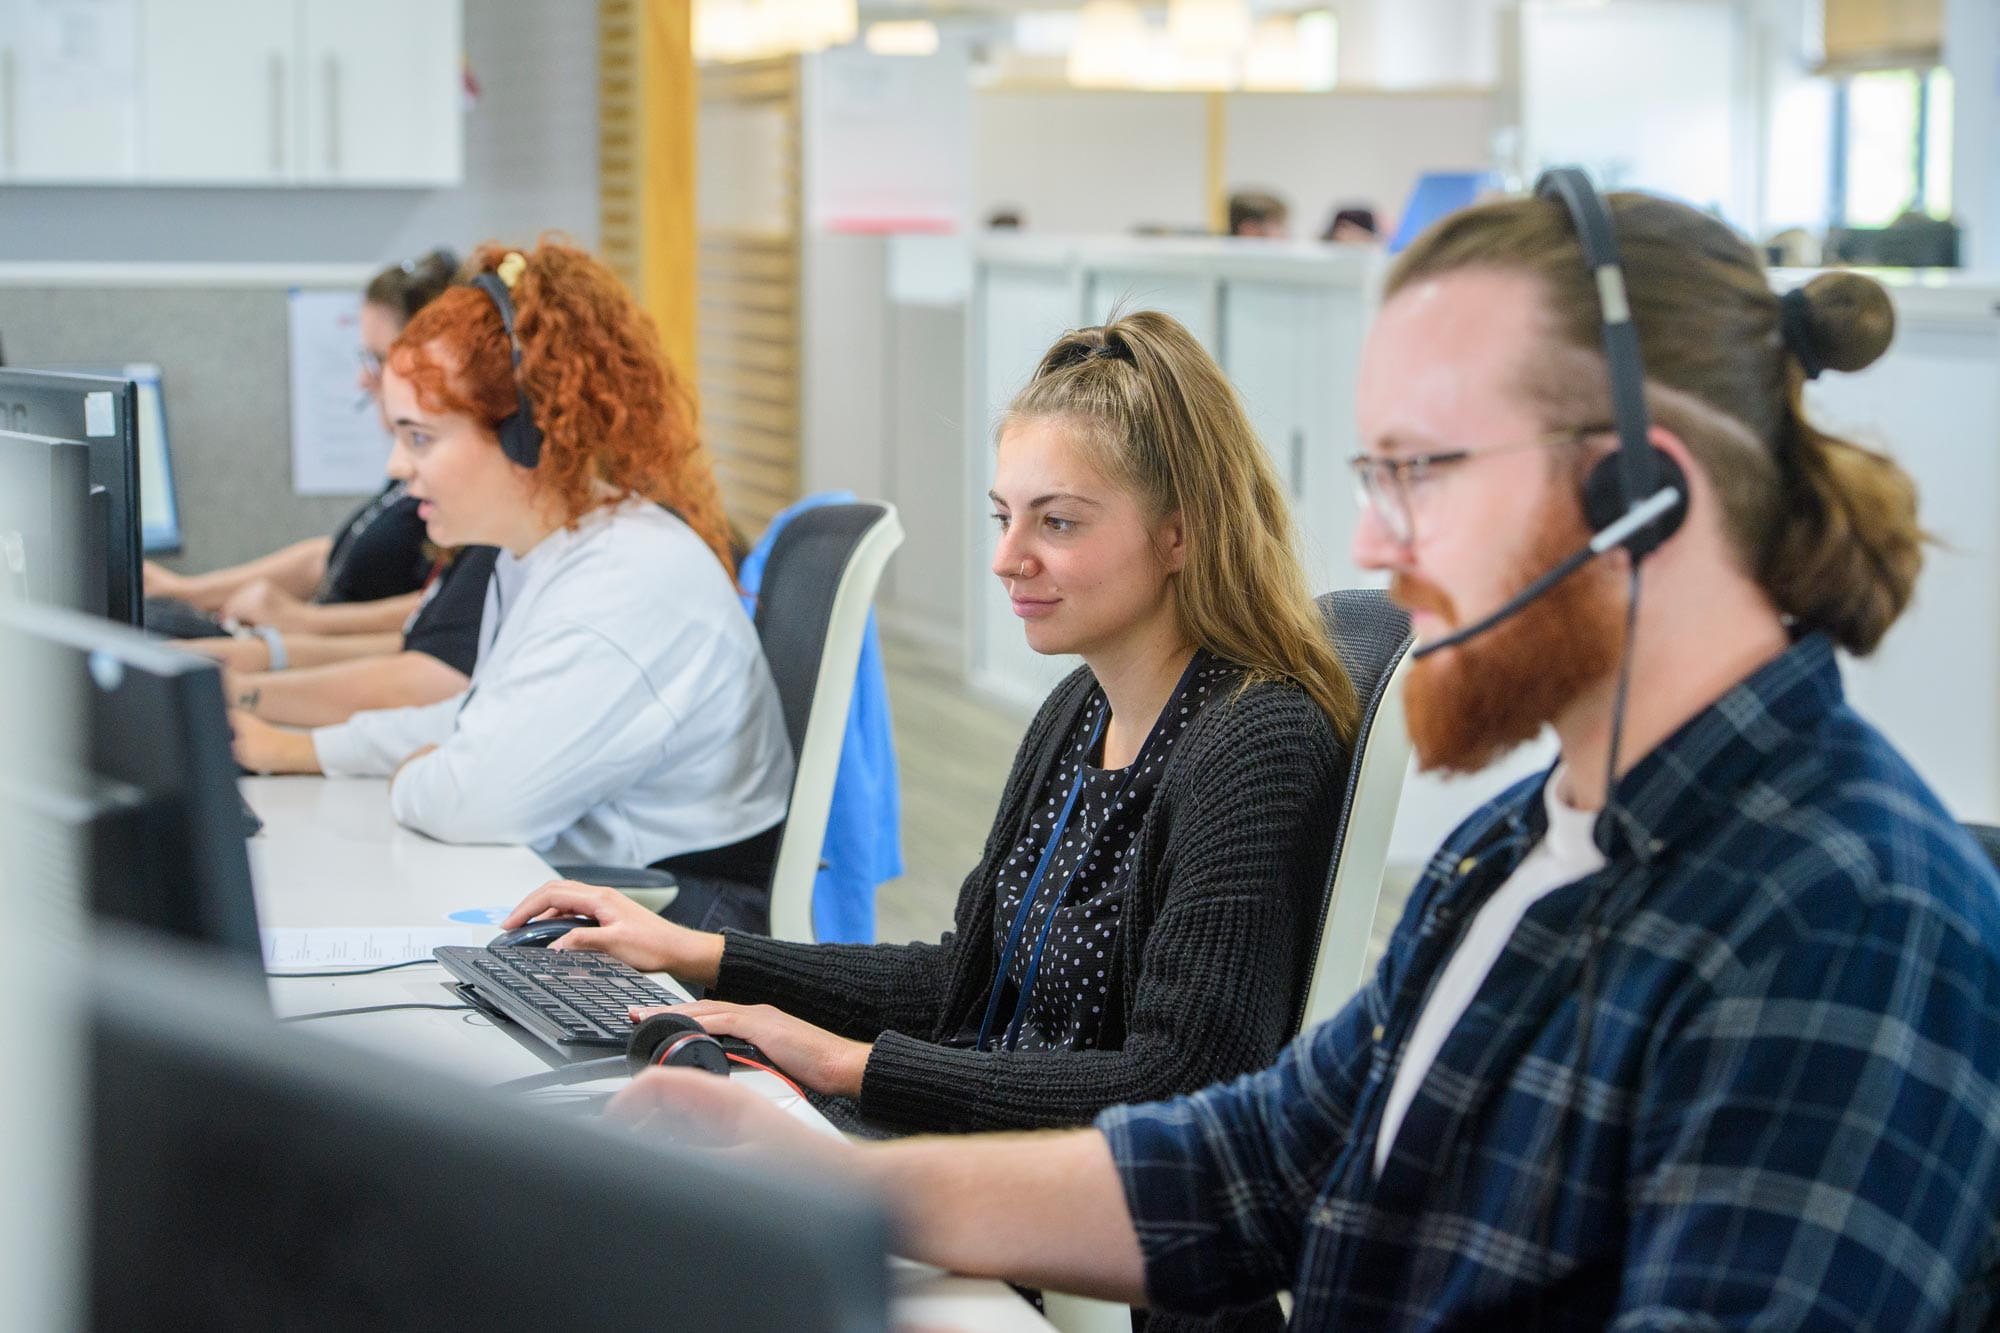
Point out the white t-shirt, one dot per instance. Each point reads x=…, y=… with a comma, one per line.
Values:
x=621, y=710
x=1564, y=855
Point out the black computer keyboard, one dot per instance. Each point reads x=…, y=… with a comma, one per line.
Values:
x=567, y=997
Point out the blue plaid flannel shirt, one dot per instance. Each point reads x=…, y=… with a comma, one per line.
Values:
x=1789, y=1115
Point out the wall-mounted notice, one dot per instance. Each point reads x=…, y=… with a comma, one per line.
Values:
x=338, y=444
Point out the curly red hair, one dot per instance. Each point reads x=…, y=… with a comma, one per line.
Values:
x=610, y=406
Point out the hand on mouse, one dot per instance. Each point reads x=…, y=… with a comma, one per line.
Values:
x=702, y=1110
x=625, y=930
x=812, y=1055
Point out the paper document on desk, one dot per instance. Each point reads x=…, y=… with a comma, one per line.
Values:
x=341, y=947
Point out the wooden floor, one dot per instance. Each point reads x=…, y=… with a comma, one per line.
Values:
x=953, y=750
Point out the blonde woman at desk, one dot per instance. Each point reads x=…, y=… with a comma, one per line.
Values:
x=1137, y=924
x=621, y=710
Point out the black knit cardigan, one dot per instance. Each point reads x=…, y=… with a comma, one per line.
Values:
x=1210, y=958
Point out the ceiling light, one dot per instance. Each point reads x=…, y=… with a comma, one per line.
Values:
x=908, y=37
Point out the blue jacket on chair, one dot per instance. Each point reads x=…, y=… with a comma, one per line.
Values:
x=863, y=845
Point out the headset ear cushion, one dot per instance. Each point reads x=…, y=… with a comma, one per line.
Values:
x=674, y=1040
x=1604, y=499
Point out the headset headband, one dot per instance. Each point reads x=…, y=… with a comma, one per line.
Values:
x=520, y=437
x=1591, y=220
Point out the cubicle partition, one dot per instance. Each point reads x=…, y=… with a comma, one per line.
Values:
x=220, y=337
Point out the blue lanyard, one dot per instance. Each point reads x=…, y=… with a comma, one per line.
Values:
x=1041, y=868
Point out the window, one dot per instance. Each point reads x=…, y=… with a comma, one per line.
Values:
x=1892, y=137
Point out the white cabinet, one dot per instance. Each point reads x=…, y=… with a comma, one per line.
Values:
x=222, y=82
x=381, y=91
x=1291, y=350
x=232, y=92
x=69, y=107
x=1018, y=312
x=1188, y=298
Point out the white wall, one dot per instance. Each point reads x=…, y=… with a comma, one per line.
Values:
x=1090, y=161
x=1322, y=151
x=886, y=139
x=1418, y=43
x=1972, y=50
x=530, y=165
x=1657, y=95
x=1095, y=162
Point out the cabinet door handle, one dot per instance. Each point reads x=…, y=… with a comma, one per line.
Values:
x=278, y=117
x=332, y=113
x=1298, y=464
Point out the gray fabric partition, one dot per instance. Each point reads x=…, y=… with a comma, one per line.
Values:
x=223, y=354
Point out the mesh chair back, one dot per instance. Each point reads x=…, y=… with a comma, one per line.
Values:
x=1371, y=635
x=795, y=601
x=812, y=613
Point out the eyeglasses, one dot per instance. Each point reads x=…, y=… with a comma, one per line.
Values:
x=1391, y=484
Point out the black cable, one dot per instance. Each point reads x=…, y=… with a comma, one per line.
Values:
x=359, y=971
x=582, y=1072
x=1595, y=913
x=373, y=1009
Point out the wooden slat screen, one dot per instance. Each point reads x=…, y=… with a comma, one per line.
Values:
x=748, y=317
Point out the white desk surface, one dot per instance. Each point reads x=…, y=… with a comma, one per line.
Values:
x=330, y=856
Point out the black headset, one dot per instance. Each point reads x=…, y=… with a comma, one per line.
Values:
x=1638, y=472
x=1635, y=498
x=674, y=1040
x=520, y=437
x=670, y=1040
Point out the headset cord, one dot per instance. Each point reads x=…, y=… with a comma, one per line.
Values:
x=1596, y=915
x=375, y=1009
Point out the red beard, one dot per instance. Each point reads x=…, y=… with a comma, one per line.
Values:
x=1469, y=705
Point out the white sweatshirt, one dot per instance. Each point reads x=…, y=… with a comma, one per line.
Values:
x=621, y=710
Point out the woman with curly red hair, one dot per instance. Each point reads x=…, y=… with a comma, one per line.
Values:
x=621, y=711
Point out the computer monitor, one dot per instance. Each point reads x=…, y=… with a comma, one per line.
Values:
x=149, y=787
x=44, y=522
x=1435, y=194
x=245, y=1176
x=159, y=503
x=103, y=413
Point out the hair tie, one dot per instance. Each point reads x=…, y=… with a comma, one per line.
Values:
x=1795, y=326
x=509, y=269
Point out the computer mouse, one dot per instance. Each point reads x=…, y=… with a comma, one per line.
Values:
x=539, y=932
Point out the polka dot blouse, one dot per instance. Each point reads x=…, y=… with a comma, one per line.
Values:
x=1076, y=971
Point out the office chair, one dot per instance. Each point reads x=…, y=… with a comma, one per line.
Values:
x=812, y=611
x=1372, y=637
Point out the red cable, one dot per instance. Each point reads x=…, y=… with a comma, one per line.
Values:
x=745, y=1060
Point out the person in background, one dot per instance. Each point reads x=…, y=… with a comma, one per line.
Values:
x=315, y=680
x=1142, y=919
x=1352, y=225
x=366, y=576
x=1258, y=213
x=621, y=711
x=1698, y=1029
